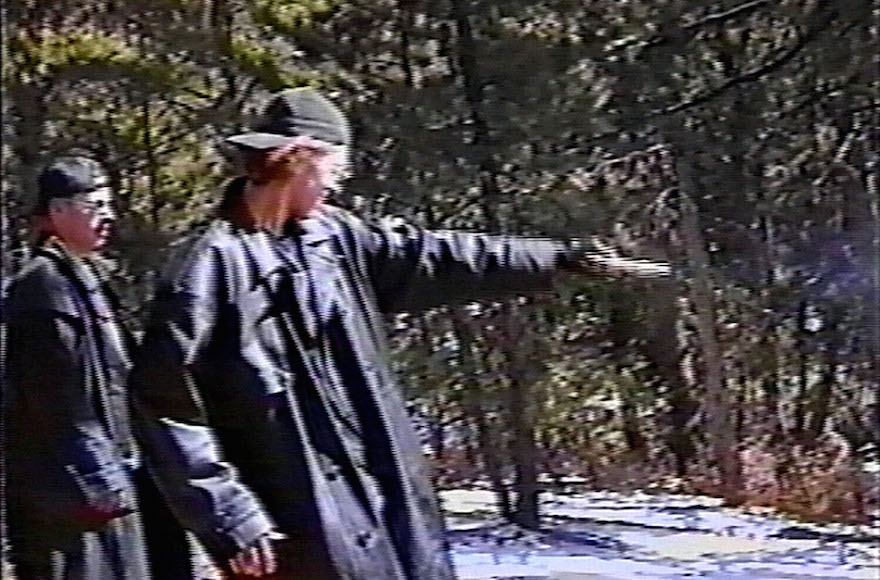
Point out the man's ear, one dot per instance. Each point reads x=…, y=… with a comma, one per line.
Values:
x=58, y=208
x=53, y=208
x=58, y=205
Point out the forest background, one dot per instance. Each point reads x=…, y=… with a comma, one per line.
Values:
x=736, y=139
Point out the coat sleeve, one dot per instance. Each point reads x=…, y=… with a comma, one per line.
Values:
x=415, y=268
x=47, y=373
x=171, y=425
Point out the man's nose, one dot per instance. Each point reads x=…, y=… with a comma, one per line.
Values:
x=108, y=214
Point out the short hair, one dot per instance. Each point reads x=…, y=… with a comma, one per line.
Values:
x=66, y=177
x=269, y=165
x=232, y=197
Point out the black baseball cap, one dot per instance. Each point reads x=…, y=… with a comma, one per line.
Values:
x=66, y=177
x=296, y=113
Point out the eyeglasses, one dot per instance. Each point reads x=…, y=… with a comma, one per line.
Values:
x=91, y=206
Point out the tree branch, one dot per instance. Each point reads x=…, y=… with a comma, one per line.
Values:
x=752, y=75
x=817, y=97
x=748, y=76
x=717, y=17
x=655, y=40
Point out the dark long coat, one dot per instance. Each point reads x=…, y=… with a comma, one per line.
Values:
x=267, y=354
x=69, y=454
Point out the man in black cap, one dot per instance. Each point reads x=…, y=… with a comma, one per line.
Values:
x=263, y=397
x=72, y=466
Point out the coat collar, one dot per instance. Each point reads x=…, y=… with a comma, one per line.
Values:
x=313, y=233
x=263, y=258
x=72, y=266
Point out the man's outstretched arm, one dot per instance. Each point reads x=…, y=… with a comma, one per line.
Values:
x=415, y=268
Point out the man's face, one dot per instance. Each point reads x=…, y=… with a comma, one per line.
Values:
x=322, y=170
x=333, y=167
x=85, y=221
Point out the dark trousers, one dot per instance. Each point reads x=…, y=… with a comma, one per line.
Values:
x=168, y=550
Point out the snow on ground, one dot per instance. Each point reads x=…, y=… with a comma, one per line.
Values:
x=622, y=536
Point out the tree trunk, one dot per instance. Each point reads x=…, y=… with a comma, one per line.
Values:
x=623, y=331
x=718, y=407
x=663, y=347
x=803, y=372
x=525, y=453
x=438, y=430
x=474, y=94
x=149, y=148
x=152, y=169
x=28, y=102
x=405, y=24
x=517, y=347
x=221, y=20
x=472, y=445
x=742, y=399
x=768, y=340
x=491, y=447
x=820, y=402
x=872, y=174
x=28, y=143
x=490, y=443
x=526, y=460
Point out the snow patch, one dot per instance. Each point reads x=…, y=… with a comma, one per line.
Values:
x=630, y=536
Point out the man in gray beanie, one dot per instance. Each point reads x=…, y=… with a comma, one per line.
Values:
x=70, y=457
x=80, y=503
x=264, y=400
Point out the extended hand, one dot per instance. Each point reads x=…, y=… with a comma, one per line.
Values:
x=257, y=560
x=606, y=261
